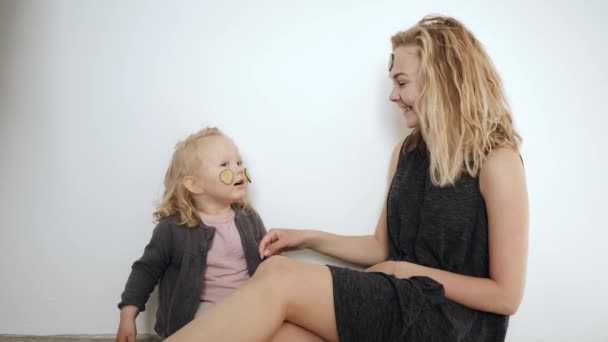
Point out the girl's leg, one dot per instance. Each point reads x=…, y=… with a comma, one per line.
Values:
x=203, y=307
x=281, y=290
x=289, y=332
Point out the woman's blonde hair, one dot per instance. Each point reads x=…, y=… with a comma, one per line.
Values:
x=176, y=198
x=462, y=109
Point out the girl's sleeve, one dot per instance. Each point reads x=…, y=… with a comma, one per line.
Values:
x=147, y=271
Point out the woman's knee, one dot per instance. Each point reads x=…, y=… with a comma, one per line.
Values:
x=279, y=273
x=272, y=265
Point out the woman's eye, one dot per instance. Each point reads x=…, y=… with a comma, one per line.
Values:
x=224, y=164
x=239, y=163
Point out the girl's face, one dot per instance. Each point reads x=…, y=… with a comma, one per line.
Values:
x=406, y=83
x=217, y=154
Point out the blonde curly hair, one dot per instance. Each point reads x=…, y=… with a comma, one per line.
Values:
x=176, y=198
x=463, y=111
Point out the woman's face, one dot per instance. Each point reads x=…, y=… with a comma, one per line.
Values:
x=406, y=84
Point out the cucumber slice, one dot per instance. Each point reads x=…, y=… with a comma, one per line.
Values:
x=226, y=176
x=247, y=176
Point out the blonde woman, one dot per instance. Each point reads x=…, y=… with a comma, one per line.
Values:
x=447, y=261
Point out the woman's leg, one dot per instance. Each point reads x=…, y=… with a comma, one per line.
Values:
x=289, y=332
x=281, y=290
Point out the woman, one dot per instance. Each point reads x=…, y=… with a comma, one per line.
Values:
x=450, y=248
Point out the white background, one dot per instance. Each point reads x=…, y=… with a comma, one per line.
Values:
x=94, y=95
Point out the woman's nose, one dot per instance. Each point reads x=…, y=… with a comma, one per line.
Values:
x=394, y=96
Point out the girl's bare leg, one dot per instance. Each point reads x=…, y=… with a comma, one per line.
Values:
x=281, y=290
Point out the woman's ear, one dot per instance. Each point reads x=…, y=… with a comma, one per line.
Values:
x=193, y=185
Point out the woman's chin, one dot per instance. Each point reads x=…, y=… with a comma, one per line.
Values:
x=411, y=122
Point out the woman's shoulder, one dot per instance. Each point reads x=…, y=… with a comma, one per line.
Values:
x=501, y=166
x=501, y=157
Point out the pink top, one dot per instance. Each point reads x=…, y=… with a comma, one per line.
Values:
x=226, y=266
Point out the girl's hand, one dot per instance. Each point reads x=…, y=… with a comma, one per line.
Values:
x=127, y=332
x=277, y=241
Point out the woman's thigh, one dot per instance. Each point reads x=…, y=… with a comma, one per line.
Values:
x=290, y=332
x=307, y=292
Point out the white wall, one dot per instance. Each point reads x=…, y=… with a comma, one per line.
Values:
x=94, y=94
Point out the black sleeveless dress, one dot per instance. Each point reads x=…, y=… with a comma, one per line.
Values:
x=444, y=228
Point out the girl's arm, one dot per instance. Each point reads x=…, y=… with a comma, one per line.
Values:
x=147, y=271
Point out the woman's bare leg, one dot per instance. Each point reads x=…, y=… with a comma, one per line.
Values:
x=281, y=290
x=289, y=332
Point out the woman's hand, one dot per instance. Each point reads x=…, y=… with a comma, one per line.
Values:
x=277, y=241
x=398, y=269
x=386, y=267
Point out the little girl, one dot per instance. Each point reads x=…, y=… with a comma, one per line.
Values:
x=206, y=240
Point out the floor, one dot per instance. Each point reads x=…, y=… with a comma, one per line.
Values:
x=13, y=338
